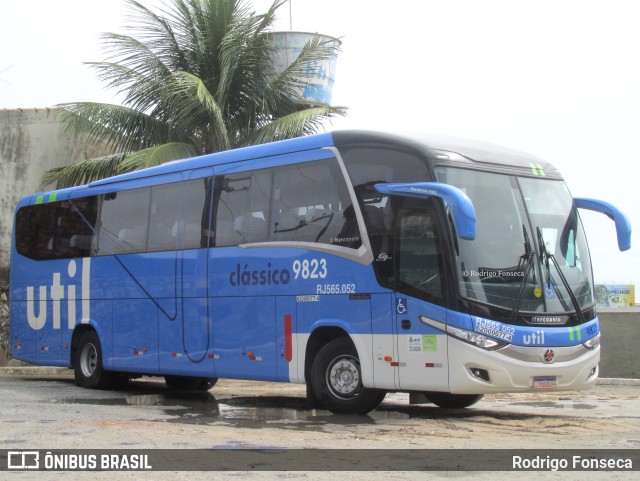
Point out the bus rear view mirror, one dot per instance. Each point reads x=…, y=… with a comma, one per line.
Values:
x=464, y=214
x=623, y=226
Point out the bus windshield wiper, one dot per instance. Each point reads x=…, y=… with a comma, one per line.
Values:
x=548, y=256
x=527, y=257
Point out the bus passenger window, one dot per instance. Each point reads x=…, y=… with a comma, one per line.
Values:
x=163, y=217
x=56, y=230
x=311, y=203
x=35, y=231
x=197, y=230
x=76, y=232
x=123, y=222
x=241, y=207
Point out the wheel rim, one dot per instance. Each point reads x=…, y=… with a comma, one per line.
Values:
x=88, y=359
x=343, y=377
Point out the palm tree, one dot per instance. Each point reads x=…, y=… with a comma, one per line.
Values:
x=197, y=77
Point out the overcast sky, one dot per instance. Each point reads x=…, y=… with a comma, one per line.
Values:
x=559, y=79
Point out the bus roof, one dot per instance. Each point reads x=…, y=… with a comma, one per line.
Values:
x=470, y=153
x=297, y=144
x=479, y=155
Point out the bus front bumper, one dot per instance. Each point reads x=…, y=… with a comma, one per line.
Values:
x=521, y=369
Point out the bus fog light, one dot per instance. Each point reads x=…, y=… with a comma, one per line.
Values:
x=481, y=374
x=592, y=373
x=592, y=343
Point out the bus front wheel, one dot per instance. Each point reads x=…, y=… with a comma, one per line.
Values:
x=446, y=400
x=336, y=380
x=87, y=363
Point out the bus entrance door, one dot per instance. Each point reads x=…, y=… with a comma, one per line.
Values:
x=422, y=350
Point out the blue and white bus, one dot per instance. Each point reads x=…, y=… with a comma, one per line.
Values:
x=356, y=262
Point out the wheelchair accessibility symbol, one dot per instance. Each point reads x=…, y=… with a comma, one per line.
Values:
x=401, y=305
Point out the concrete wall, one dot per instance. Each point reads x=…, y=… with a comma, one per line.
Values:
x=32, y=141
x=620, y=336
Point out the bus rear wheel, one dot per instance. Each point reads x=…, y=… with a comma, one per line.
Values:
x=188, y=383
x=447, y=400
x=87, y=363
x=336, y=380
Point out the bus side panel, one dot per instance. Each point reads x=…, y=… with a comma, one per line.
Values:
x=383, y=345
x=23, y=337
x=185, y=325
x=131, y=289
x=44, y=303
x=186, y=342
x=102, y=321
x=287, y=355
x=135, y=336
x=422, y=350
x=351, y=313
x=49, y=344
x=244, y=341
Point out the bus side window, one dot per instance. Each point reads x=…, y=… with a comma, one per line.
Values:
x=311, y=203
x=35, y=231
x=123, y=234
x=164, y=216
x=197, y=230
x=76, y=225
x=419, y=263
x=56, y=230
x=241, y=207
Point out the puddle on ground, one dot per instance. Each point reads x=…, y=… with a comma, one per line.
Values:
x=556, y=404
x=283, y=412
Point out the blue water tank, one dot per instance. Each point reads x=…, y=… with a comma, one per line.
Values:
x=316, y=84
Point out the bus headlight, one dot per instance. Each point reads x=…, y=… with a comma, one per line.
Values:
x=592, y=343
x=479, y=340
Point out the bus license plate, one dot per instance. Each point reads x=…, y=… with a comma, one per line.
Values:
x=546, y=382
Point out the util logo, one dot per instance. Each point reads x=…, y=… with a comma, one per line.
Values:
x=535, y=338
x=57, y=293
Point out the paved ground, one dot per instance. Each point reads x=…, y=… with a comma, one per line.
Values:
x=52, y=413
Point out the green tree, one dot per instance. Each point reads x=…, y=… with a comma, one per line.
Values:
x=197, y=77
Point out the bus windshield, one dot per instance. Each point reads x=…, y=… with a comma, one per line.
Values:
x=530, y=253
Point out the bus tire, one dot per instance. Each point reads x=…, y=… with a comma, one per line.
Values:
x=336, y=380
x=447, y=400
x=189, y=383
x=88, y=363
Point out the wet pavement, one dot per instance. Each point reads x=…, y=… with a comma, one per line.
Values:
x=47, y=413
x=254, y=405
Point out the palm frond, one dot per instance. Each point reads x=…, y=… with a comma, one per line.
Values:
x=304, y=122
x=83, y=172
x=156, y=32
x=141, y=92
x=195, y=105
x=157, y=155
x=121, y=128
x=197, y=76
